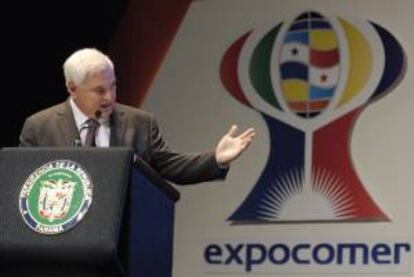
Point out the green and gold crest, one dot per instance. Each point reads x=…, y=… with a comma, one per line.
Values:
x=55, y=197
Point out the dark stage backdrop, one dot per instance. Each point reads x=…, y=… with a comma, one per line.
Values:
x=39, y=37
x=36, y=39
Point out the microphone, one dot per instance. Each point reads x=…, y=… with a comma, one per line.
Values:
x=78, y=142
x=98, y=114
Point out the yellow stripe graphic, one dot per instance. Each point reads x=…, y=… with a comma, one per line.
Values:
x=295, y=90
x=323, y=40
x=360, y=62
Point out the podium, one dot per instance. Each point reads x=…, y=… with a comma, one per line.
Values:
x=83, y=212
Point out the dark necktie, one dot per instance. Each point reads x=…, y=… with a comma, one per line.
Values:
x=93, y=125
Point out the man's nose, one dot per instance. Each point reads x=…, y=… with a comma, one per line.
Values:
x=109, y=95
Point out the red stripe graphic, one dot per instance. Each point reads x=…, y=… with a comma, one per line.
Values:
x=324, y=58
x=308, y=106
x=335, y=138
x=228, y=70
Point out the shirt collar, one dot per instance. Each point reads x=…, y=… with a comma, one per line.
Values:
x=80, y=117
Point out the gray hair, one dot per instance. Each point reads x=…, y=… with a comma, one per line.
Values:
x=83, y=62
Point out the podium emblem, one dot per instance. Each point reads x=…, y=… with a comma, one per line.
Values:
x=55, y=197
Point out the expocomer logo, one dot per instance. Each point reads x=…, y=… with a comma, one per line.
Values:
x=310, y=77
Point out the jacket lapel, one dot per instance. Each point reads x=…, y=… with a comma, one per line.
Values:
x=67, y=125
x=117, y=127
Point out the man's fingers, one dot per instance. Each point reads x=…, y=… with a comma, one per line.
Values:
x=247, y=136
x=246, y=142
x=249, y=133
x=232, y=131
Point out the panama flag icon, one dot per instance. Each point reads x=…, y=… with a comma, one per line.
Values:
x=310, y=77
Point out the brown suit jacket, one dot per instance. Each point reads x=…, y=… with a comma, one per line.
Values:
x=56, y=127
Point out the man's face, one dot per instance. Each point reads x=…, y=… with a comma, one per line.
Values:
x=97, y=92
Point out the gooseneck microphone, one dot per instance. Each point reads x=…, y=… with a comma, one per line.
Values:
x=78, y=142
x=98, y=114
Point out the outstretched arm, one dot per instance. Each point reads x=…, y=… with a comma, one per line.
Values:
x=231, y=145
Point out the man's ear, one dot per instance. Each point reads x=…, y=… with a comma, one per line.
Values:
x=71, y=87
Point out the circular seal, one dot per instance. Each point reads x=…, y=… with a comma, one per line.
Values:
x=55, y=197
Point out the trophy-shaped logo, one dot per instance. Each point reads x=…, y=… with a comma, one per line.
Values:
x=55, y=198
x=310, y=77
